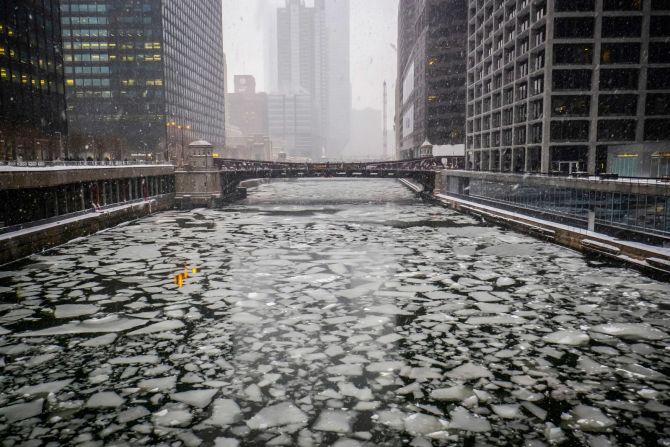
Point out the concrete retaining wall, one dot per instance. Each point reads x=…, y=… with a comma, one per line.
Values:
x=19, y=244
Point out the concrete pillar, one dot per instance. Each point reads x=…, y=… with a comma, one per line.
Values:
x=642, y=81
x=82, y=200
x=595, y=86
x=546, y=105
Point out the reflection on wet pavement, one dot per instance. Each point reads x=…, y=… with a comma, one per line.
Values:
x=329, y=313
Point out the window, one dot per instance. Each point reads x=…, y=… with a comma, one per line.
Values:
x=521, y=115
x=622, y=26
x=613, y=105
x=659, y=26
x=536, y=133
x=508, y=116
x=574, y=5
x=538, y=85
x=536, y=109
x=660, y=5
x=573, y=53
x=569, y=130
x=571, y=80
x=658, y=104
x=657, y=129
x=622, y=5
x=621, y=79
x=570, y=105
x=658, y=78
x=616, y=130
x=659, y=52
x=620, y=53
x=573, y=27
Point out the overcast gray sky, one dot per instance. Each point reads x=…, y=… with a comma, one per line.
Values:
x=248, y=30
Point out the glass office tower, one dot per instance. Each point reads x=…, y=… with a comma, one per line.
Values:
x=32, y=100
x=143, y=77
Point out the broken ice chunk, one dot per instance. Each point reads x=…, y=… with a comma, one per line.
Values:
x=161, y=326
x=387, y=309
x=172, y=417
x=349, y=389
x=507, y=411
x=253, y=393
x=469, y=371
x=277, y=415
x=19, y=412
x=226, y=412
x=453, y=394
x=195, y=398
x=462, y=419
x=567, y=337
x=346, y=369
x=226, y=442
x=98, y=325
x=591, y=418
x=103, y=340
x=422, y=424
x=104, y=399
x=334, y=421
x=44, y=388
x=159, y=384
x=74, y=310
x=631, y=331
x=132, y=414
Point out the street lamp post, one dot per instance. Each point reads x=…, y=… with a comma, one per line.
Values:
x=181, y=128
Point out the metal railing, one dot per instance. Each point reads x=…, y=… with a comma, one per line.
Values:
x=420, y=164
x=52, y=164
x=581, y=177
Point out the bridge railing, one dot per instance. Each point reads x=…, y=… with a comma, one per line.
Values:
x=421, y=164
x=54, y=164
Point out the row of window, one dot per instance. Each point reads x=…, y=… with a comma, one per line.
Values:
x=609, y=105
x=612, y=27
x=85, y=21
x=611, y=53
x=609, y=5
x=83, y=7
x=85, y=32
x=569, y=131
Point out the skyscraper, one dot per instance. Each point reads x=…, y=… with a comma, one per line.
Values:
x=32, y=99
x=338, y=118
x=432, y=37
x=313, y=60
x=569, y=86
x=143, y=76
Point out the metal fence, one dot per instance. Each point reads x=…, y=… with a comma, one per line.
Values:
x=55, y=164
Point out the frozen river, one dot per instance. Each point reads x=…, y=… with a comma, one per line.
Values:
x=331, y=312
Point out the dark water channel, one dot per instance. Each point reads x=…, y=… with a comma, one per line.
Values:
x=332, y=312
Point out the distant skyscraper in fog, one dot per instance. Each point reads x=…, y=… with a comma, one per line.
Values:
x=313, y=60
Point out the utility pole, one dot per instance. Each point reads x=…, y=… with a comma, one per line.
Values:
x=386, y=130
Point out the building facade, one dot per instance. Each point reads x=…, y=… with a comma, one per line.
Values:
x=290, y=121
x=313, y=60
x=430, y=102
x=568, y=86
x=247, y=114
x=143, y=77
x=33, y=123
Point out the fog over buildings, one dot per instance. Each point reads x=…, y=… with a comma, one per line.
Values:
x=251, y=29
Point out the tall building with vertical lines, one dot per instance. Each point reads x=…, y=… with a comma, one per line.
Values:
x=32, y=98
x=569, y=86
x=313, y=61
x=430, y=92
x=143, y=76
